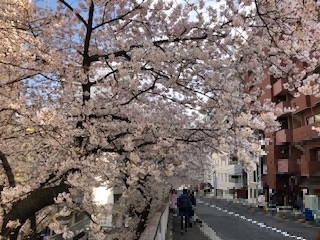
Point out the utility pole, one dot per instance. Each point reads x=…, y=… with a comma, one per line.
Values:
x=257, y=182
x=257, y=175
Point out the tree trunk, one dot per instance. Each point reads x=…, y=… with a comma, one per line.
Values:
x=29, y=206
x=143, y=220
x=33, y=226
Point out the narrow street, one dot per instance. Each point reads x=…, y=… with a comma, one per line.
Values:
x=231, y=221
x=223, y=220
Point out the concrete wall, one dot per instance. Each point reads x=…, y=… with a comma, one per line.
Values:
x=157, y=226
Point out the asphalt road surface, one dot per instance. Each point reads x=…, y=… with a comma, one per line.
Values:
x=232, y=221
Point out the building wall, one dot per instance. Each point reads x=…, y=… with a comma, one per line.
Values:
x=226, y=176
x=309, y=163
x=296, y=134
x=271, y=163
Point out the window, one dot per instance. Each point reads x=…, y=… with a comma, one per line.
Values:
x=297, y=120
x=283, y=152
x=273, y=80
x=279, y=99
x=234, y=179
x=283, y=122
x=116, y=197
x=313, y=119
x=315, y=154
x=310, y=120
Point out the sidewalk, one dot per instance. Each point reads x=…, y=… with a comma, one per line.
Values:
x=193, y=233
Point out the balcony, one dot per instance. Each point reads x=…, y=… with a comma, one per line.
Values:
x=284, y=135
x=305, y=133
x=282, y=105
x=314, y=100
x=301, y=103
x=287, y=166
x=278, y=88
x=309, y=168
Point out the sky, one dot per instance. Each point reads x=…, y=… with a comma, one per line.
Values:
x=53, y=3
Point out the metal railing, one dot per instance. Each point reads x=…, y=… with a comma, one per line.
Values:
x=78, y=227
x=157, y=227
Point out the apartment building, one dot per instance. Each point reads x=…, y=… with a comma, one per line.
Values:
x=293, y=153
x=227, y=177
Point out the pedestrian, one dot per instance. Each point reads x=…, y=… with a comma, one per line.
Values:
x=173, y=202
x=192, y=208
x=184, y=204
x=299, y=203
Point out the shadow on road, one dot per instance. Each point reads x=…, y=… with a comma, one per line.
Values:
x=193, y=233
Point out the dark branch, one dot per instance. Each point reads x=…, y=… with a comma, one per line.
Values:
x=25, y=208
x=77, y=14
x=7, y=168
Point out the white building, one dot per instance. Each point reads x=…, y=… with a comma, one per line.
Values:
x=104, y=196
x=254, y=182
x=226, y=176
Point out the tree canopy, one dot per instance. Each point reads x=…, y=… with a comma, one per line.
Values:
x=130, y=93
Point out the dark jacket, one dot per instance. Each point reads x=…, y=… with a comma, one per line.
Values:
x=193, y=204
x=184, y=211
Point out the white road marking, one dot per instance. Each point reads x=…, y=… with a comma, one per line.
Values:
x=210, y=232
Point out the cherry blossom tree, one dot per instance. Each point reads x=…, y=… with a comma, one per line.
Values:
x=123, y=93
x=285, y=36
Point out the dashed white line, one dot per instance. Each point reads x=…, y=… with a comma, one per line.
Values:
x=208, y=231
x=260, y=224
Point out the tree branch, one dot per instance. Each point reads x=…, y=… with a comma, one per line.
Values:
x=7, y=168
x=77, y=14
x=25, y=208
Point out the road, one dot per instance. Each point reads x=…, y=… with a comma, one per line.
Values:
x=232, y=221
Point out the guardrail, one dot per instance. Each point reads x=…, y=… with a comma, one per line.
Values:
x=157, y=225
x=79, y=228
x=156, y=229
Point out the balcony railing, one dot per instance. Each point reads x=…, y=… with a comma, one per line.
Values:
x=287, y=166
x=305, y=133
x=284, y=135
x=282, y=105
x=278, y=86
x=79, y=228
x=314, y=100
x=309, y=167
x=300, y=103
